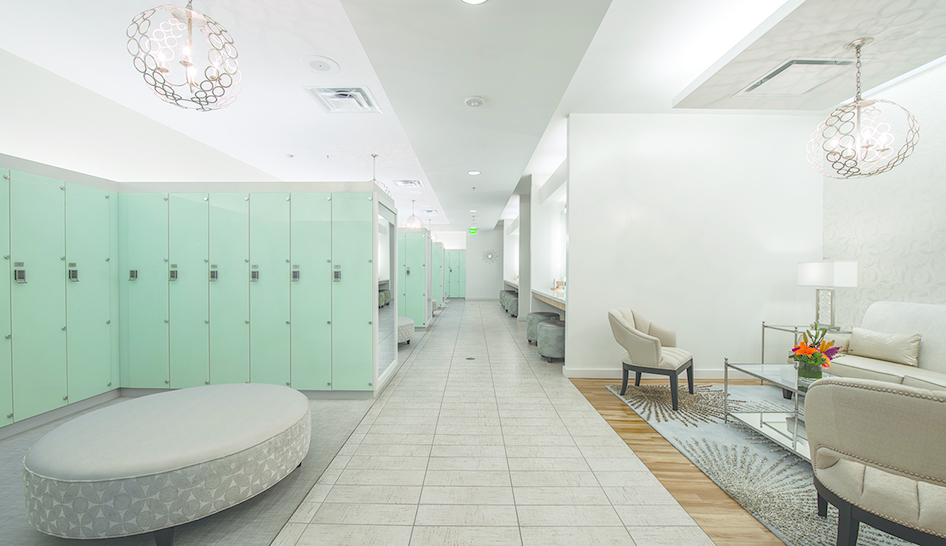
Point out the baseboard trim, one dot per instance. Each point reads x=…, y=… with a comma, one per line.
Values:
x=58, y=413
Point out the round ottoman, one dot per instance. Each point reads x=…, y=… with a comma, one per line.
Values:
x=387, y=296
x=405, y=329
x=434, y=305
x=513, y=306
x=533, y=320
x=155, y=462
x=551, y=339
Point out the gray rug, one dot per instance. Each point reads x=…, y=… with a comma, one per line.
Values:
x=771, y=483
x=255, y=522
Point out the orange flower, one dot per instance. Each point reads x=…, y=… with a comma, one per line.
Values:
x=825, y=345
x=804, y=350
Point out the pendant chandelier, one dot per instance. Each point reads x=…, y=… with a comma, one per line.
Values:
x=374, y=179
x=865, y=137
x=413, y=221
x=194, y=72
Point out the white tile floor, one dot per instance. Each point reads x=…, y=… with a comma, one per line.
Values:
x=478, y=441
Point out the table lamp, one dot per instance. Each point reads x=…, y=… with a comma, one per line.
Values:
x=827, y=276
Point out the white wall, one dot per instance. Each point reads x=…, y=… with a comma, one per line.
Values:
x=50, y=120
x=511, y=250
x=452, y=240
x=484, y=280
x=894, y=224
x=697, y=221
x=548, y=238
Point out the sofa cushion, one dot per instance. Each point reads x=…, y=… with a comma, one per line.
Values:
x=897, y=348
x=925, y=379
x=868, y=368
x=926, y=319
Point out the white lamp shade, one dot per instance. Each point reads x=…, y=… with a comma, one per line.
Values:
x=828, y=274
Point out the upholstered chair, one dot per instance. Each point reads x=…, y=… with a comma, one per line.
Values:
x=649, y=349
x=877, y=452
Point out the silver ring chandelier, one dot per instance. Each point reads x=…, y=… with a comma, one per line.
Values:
x=865, y=137
x=170, y=59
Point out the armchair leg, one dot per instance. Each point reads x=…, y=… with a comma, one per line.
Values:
x=847, y=526
x=637, y=379
x=674, y=379
x=690, y=378
x=624, y=382
x=822, y=506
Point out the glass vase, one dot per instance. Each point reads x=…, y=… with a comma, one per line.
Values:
x=809, y=371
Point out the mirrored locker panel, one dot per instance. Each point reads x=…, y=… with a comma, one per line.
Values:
x=311, y=290
x=6, y=355
x=143, y=242
x=229, y=288
x=415, y=277
x=269, y=288
x=188, y=289
x=401, y=275
x=353, y=291
x=88, y=291
x=38, y=255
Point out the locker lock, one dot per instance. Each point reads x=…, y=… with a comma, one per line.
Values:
x=132, y=274
x=19, y=273
x=213, y=275
x=73, y=274
x=172, y=275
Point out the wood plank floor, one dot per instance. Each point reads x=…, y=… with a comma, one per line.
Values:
x=721, y=518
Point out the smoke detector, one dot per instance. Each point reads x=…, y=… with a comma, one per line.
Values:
x=345, y=100
x=474, y=101
x=319, y=64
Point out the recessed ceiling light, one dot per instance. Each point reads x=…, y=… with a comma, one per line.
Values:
x=473, y=173
x=473, y=2
x=474, y=101
x=472, y=210
x=431, y=211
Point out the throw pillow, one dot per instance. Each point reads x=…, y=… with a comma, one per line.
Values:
x=897, y=348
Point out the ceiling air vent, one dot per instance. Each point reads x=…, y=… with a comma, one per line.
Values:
x=344, y=100
x=796, y=77
x=408, y=183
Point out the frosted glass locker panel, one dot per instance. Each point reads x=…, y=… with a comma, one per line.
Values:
x=6, y=355
x=143, y=239
x=437, y=273
x=416, y=278
x=453, y=274
x=88, y=292
x=229, y=288
x=188, y=289
x=114, y=289
x=38, y=294
x=269, y=288
x=353, y=292
x=311, y=291
x=461, y=281
x=401, y=272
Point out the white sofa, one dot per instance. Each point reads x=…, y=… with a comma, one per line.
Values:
x=927, y=320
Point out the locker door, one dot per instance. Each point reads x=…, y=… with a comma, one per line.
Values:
x=353, y=295
x=401, y=279
x=114, y=283
x=269, y=292
x=461, y=278
x=311, y=291
x=188, y=290
x=6, y=356
x=437, y=274
x=230, y=290
x=37, y=228
x=454, y=273
x=88, y=289
x=143, y=238
x=416, y=278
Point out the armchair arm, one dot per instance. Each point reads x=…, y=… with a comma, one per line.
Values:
x=667, y=337
x=643, y=349
x=899, y=429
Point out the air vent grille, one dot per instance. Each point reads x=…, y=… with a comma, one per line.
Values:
x=345, y=100
x=409, y=183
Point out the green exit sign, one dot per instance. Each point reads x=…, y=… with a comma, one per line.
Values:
x=472, y=230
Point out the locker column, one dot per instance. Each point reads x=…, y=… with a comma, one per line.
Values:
x=229, y=288
x=6, y=355
x=188, y=289
x=269, y=288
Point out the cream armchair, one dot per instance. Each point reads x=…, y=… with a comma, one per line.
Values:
x=649, y=349
x=878, y=452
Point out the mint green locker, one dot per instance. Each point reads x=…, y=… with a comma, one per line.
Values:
x=188, y=289
x=88, y=292
x=114, y=290
x=453, y=274
x=38, y=294
x=437, y=273
x=143, y=242
x=6, y=355
x=401, y=272
x=229, y=288
x=461, y=280
x=311, y=291
x=353, y=291
x=416, y=278
x=269, y=288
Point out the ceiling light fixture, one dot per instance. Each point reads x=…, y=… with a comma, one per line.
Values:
x=472, y=210
x=474, y=101
x=374, y=179
x=859, y=139
x=169, y=59
x=473, y=2
x=413, y=221
x=473, y=173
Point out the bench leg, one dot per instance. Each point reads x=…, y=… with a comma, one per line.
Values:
x=624, y=382
x=164, y=537
x=674, y=379
x=637, y=379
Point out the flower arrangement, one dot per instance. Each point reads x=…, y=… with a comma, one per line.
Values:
x=814, y=353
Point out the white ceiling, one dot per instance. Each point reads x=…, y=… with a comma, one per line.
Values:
x=534, y=61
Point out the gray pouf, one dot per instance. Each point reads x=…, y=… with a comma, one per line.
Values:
x=533, y=320
x=551, y=339
x=513, y=308
x=405, y=329
x=387, y=296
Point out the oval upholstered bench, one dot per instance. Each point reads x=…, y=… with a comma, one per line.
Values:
x=155, y=462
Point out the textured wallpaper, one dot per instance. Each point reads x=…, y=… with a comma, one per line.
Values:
x=894, y=224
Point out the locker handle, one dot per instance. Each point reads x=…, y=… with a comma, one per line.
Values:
x=132, y=274
x=172, y=275
x=73, y=275
x=19, y=276
x=213, y=275
x=337, y=276
x=254, y=276
x=295, y=276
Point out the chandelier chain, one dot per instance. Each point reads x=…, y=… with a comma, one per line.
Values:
x=857, y=65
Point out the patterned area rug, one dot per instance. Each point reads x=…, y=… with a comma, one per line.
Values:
x=771, y=483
